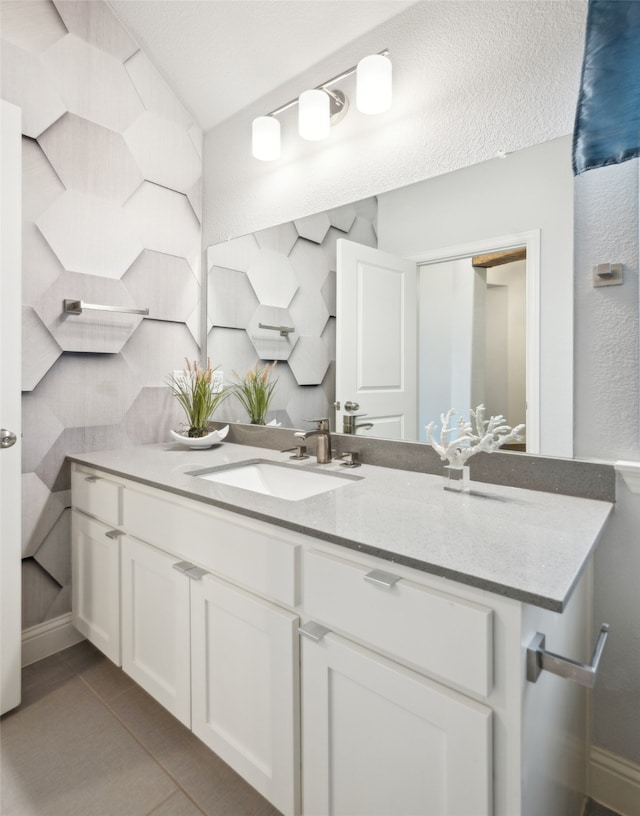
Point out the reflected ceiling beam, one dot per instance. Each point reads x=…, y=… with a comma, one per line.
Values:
x=499, y=258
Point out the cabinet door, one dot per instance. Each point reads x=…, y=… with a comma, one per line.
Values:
x=245, y=681
x=95, y=580
x=155, y=626
x=378, y=739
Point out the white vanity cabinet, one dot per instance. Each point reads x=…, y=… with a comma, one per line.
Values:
x=407, y=695
x=205, y=605
x=95, y=560
x=156, y=651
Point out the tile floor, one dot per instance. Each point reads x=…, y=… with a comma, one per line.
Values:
x=87, y=741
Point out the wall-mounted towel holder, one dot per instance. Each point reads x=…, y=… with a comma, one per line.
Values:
x=284, y=330
x=76, y=307
x=538, y=659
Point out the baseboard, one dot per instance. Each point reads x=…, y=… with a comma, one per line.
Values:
x=48, y=638
x=614, y=782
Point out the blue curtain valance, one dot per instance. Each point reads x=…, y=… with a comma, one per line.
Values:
x=607, y=128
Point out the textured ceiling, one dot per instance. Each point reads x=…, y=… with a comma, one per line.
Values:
x=221, y=55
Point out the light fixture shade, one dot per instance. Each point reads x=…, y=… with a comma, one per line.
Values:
x=373, y=84
x=265, y=144
x=314, y=117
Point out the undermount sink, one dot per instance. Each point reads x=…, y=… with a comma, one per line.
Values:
x=276, y=479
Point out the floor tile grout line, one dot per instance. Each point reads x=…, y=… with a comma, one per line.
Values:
x=140, y=743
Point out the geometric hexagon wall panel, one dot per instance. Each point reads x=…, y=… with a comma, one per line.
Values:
x=18, y=26
x=310, y=265
x=231, y=300
x=309, y=314
x=95, y=23
x=328, y=292
x=25, y=83
x=73, y=144
x=164, y=220
x=269, y=344
x=280, y=238
x=41, y=590
x=92, y=83
x=313, y=227
x=95, y=331
x=40, y=349
x=309, y=360
x=171, y=343
x=52, y=555
x=146, y=139
x=36, y=414
x=363, y=232
x=40, y=510
x=273, y=278
x=40, y=266
x=154, y=92
x=164, y=284
x=83, y=390
x=342, y=218
x=238, y=254
x=40, y=183
x=90, y=234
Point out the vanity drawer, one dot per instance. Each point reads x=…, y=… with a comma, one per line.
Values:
x=97, y=496
x=444, y=635
x=257, y=556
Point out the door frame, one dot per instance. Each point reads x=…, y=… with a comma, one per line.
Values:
x=531, y=241
x=10, y=406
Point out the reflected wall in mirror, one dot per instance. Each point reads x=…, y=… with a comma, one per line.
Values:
x=286, y=276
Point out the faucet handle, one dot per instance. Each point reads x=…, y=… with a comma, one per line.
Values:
x=350, y=459
x=300, y=451
x=323, y=424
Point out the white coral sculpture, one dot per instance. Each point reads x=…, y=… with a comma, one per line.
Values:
x=473, y=436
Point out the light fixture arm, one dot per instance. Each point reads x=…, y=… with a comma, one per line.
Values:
x=324, y=85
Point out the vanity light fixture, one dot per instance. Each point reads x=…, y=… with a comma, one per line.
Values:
x=321, y=107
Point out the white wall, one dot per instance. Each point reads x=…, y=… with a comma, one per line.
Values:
x=607, y=426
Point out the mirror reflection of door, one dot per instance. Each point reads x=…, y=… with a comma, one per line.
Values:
x=466, y=318
x=472, y=337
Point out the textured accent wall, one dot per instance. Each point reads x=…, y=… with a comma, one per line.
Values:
x=112, y=168
x=283, y=276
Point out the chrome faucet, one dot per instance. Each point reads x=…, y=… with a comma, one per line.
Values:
x=323, y=443
x=350, y=426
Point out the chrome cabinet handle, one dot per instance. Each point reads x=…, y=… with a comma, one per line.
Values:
x=314, y=631
x=538, y=659
x=114, y=534
x=381, y=578
x=190, y=570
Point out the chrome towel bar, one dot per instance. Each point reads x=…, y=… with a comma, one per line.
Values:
x=284, y=330
x=76, y=307
x=538, y=659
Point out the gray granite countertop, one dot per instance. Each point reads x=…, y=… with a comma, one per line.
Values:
x=527, y=545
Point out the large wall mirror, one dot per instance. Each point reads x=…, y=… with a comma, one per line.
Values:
x=446, y=293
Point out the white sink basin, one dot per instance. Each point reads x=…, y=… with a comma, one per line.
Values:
x=275, y=479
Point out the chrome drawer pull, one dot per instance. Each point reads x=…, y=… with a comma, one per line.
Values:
x=314, y=631
x=195, y=573
x=381, y=578
x=183, y=566
x=115, y=534
x=538, y=659
x=91, y=479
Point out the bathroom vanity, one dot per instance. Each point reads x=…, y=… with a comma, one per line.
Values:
x=358, y=651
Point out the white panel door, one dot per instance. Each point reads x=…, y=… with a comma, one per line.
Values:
x=376, y=363
x=378, y=739
x=155, y=626
x=10, y=409
x=245, y=681
x=95, y=582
